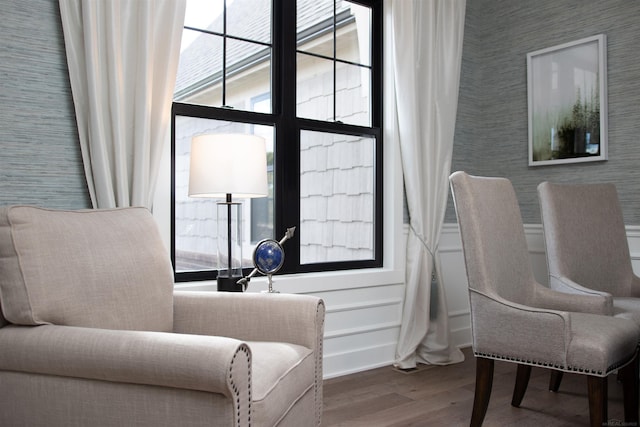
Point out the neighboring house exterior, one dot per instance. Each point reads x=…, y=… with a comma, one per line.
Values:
x=337, y=171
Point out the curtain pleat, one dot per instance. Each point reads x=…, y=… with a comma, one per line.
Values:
x=427, y=39
x=123, y=60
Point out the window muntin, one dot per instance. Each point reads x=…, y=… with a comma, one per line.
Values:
x=334, y=62
x=340, y=56
x=226, y=59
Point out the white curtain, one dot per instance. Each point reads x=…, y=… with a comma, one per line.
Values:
x=123, y=60
x=427, y=56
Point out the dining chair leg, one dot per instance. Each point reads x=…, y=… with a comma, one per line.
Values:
x=554, y=380
x=598, y=396
x=484, y=382
x=522, y=381
x=630, y=383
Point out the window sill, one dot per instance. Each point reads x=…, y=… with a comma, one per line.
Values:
x=310, y=283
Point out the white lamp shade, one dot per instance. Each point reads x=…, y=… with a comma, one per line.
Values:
x=224, y=164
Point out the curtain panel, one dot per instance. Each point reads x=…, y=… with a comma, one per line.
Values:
x=427, y=40
x=123, y=59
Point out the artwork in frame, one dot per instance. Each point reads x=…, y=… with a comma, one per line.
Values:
x=567, y=99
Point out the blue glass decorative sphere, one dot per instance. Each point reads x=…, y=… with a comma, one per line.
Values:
x=268, y=256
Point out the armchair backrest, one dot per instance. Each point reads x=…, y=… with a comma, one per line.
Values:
x=92, y=268
x=585, y=236
x=495, y=248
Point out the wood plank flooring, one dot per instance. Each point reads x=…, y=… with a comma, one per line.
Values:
x=443, y=396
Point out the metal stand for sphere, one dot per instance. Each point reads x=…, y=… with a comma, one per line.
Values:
x=270, y=290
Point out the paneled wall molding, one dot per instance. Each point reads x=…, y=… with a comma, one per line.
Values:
x=373, y=327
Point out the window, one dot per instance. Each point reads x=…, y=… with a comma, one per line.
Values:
x=307, y=79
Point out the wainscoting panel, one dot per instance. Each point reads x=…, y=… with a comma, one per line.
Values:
x=361, y=328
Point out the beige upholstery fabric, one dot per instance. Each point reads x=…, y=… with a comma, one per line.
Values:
x=33, y=400
x=513, y=316
x=295, y=319
x=71, y=356
x=287, y=376
x=58, y=267
x=586, y=243
x=124, y=356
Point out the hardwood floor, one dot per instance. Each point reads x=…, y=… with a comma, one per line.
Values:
x=443, y=396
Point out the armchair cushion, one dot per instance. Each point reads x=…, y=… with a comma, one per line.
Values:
x=286, y=377
x=57, y=268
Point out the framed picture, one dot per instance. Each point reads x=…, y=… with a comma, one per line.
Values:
x=567, y=95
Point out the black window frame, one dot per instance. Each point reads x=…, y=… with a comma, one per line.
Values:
x=288, y=128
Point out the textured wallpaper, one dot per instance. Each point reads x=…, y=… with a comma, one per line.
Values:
x=491, y=131
x=40, y=161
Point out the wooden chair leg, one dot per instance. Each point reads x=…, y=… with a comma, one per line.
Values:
x=484, y=382
x=630, y=383
x=598, y=396
x=522, y=380
x=554, y=380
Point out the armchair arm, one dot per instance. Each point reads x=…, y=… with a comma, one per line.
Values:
x=153, y=358
x=296, y=319
x=566, y=285
x=576, y=300
x=517, y=332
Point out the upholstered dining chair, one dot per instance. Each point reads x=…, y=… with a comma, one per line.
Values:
x=93, y=334
x=587, y=248
x=516, y=319
x=586, y=243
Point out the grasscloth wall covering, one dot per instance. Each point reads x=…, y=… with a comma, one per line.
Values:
x=40, y=159
x=491, y=132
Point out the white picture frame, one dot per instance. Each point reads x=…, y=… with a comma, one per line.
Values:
x=567, y=102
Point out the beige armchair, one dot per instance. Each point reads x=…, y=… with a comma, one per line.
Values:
x=92, y=333
x=516, y=319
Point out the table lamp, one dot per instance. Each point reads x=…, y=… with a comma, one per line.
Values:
x=228, y=166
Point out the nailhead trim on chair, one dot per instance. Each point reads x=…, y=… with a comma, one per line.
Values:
x=318, y=368
x=235, y=388
x=552, y=365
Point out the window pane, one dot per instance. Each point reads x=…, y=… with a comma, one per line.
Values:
x=204, y=14
x=205, y=57
x=314, y=89
x=195, y=218
x=252, y=22
x=337, y=178
x=314, y=26
x=200, y=71
x=353, y=40
x=353, y=94
x=248, y=73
